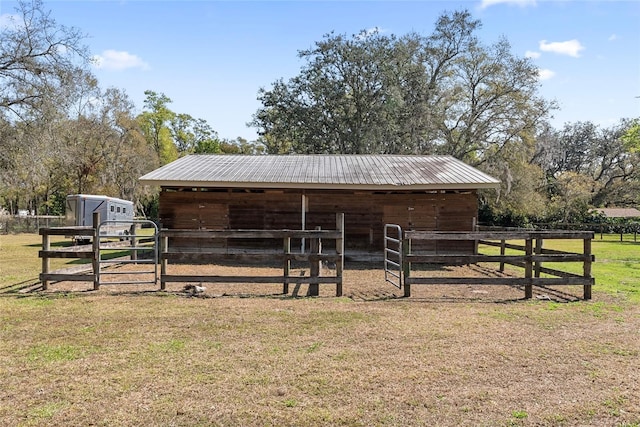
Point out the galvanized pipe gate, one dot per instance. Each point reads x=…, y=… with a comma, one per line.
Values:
x=108, y=243
x=393, y=255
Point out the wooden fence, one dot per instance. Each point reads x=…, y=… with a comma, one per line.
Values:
x=530, y=260
x=284, y=256
x=82, y=252
x=315, y=257
x=86, y=272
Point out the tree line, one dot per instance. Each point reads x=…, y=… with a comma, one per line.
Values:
x=368, y=93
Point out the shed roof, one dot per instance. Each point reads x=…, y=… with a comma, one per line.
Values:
x=619, y=212
x=366, y=172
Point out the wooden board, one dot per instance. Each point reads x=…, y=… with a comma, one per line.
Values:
x=366, y=212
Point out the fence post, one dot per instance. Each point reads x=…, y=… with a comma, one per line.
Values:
x=502, y=252
x=528, y=288
x=587, y=267
x=406, y=266
x=46, y=246
x=340, y=253
x=538, y=251
x=314, y=269
x=132, y=236
x=286, y=263
x=163, y=260
x=96, y=251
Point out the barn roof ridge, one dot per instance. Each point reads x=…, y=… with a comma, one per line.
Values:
x=321, y=171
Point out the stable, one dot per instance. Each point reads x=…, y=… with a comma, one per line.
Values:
x=273, y=192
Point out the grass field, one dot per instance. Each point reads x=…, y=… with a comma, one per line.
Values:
x=477, y=357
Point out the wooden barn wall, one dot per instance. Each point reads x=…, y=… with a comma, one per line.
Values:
x=365, y=212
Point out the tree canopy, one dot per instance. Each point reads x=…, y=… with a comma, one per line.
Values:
x=446, y=93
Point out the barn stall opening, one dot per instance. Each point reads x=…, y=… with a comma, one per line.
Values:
x=303, y=192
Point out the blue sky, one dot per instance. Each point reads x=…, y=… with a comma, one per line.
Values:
x=211, y=57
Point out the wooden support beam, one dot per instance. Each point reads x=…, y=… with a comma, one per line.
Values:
x=46, y=246
x=314, y=268
x=96, y=251
x=164, y=248
x=286, y=264
x=406, y=267
x=528, y=269
x=340, y=252
x=587, y=267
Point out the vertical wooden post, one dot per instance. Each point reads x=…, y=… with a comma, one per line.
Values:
x=528, y=269
x=538, y=251
x=46, y=246
x=340, y=253
x=587, y=267
x=164, y=248
x=132, y=236
x=286, y=247
x=96, y=251
x=502, y=252
x=314, y=269
x=406, y=266
x=474, y=228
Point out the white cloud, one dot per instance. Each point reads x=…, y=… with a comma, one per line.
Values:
x=522, y=3
x=532, y=54
x=613, y=37
x=545, y=74
x=118, y=61
x=570, y=47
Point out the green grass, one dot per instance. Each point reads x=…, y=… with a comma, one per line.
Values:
x=617, y=265
x=19, y=262
x=20, y=265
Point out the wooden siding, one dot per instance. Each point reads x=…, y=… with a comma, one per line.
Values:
x=366, y=212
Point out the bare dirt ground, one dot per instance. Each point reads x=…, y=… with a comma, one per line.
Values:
x=361, y=282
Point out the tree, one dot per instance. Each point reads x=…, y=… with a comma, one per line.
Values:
x=38, y=59
x=371, y=93
x=193, y=135
x=490, y=103
x=343, y=100
x=607, y=158
x=174, y=134
x=43, y=71
x=154, y=122
x=127, y=156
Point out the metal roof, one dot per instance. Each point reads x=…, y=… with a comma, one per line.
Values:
x=366, y=172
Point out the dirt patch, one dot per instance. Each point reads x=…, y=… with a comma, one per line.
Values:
x=361, y=282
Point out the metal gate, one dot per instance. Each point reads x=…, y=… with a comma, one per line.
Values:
x=115, y=239
x=393, y=255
